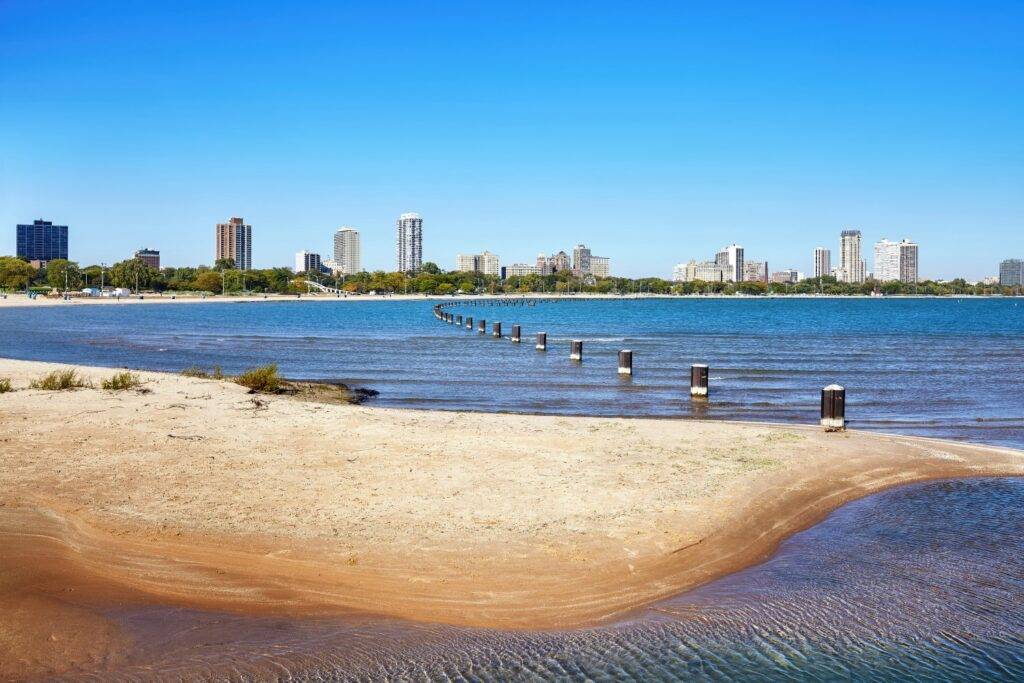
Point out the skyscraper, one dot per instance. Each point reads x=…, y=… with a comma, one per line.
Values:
x=409, y=243
x=234, y=241
x=1011, y=273
x=580, y=260
x=347, y=252
x=151, y=257
x=307, y=262
x=42, y=241
x=731, y=259
x=895, y=261
x=851, y=266
x=822, y=262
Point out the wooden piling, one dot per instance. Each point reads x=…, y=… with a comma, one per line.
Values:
x=625, y=362
x=542, y=341
x=576, y=350
x=699, y=382
x=833, y=408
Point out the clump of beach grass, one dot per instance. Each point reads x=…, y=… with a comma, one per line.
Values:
x=60, y=380
x=5, y=385
x=122, y=381
x=263, y=379
x=196, y=371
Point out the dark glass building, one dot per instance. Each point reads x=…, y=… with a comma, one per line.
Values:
x=42, y=241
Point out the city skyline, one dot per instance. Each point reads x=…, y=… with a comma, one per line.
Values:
x=709, y=127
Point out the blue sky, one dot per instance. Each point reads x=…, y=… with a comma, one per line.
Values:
x=653, y=132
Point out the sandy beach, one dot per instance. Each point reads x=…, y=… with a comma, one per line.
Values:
x=196, y=493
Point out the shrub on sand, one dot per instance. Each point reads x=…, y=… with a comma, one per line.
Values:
x=196, y=371
x=5, y=385
x=122, y=381
x=263, y=379
x=60, y=380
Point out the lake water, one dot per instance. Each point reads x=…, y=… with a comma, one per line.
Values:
x=924, y=582
x=938, y=367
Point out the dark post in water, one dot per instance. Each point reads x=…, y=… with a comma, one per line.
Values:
x=576, y=350
x=469, y=322
x=481, y=327
x=458, y=320
x=542, y=341
x=625, y=362
x=496, y=330
x=516, y=332
x=699, y=381
x=833, y=408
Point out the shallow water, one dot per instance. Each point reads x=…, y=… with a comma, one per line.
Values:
x=918, y=583
x=938, y=367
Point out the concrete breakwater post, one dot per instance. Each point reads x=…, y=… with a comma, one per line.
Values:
x=833, y=408
x=481, y=327
x=542, y=341
x=469, y=322
x=576, y=349
x=458, y=320
x=517, y=334
x=699, y=382
x=496, y=330
x=625, y=362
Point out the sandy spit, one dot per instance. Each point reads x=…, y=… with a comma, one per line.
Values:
x=193, y=493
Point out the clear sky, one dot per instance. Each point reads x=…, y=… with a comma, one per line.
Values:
x=652, y=132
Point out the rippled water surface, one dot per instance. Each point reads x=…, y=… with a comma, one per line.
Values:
x=919, y=583
x=940, y=367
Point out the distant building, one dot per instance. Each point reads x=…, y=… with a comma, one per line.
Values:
x=600, y=266
x=704, y=271
x=787, y=277
x=1011, y=273
x=234, y=241
x=580, y=260
x=731, y=259
x=851, y=266
x=518, y=270
x=347, y=252
x=151, y=257
x=822, y=262
x=755, y=271
x=553, y=264
x=308, y=262
x=895, y=261
x=409, y=243
x=486, y=263
x=41, y=241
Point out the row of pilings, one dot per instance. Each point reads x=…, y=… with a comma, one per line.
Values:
x=833, y=397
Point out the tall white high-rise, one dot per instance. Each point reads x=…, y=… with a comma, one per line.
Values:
x=822, y=262
x=409, y=243
x=731, y=258
x=851, y=265
x=896, y=261
x=348, y=258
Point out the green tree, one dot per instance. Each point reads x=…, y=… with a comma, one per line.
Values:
x=15, y=273
x=133, y=274
x=63, y=274
x=207, y=281
x=430, y=268
x=224, y=264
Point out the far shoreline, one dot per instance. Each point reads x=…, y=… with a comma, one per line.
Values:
x=20, y=300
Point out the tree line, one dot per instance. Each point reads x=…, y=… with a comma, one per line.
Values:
x=134, y=274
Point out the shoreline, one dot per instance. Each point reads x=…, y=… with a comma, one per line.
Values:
x=19, y=300
x=194, y=495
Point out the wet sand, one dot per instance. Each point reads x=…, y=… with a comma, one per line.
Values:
x=195, y=495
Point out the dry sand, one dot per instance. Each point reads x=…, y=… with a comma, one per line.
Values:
x=195, y=494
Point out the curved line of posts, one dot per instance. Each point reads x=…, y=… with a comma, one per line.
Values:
x=833, y=397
